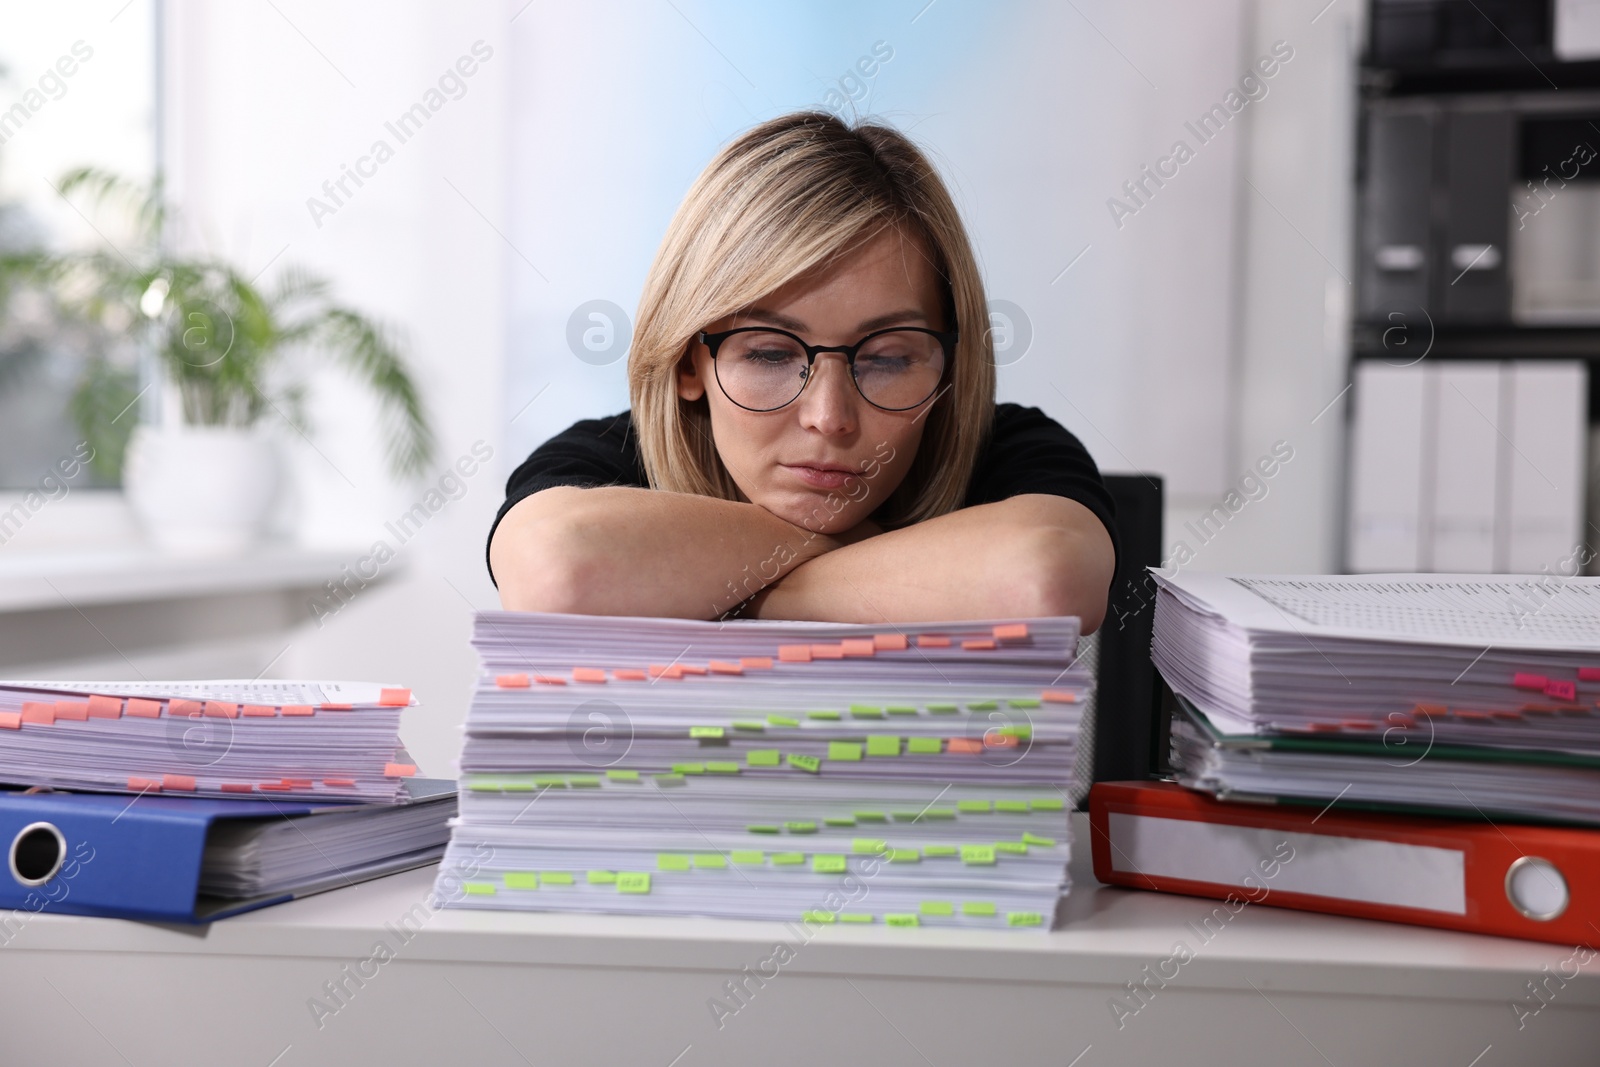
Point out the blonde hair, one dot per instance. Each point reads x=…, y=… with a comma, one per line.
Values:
x=783, y=199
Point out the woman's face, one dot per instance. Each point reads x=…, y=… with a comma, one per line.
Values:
x=775, y=456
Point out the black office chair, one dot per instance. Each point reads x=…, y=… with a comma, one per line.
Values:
x=1124, y=733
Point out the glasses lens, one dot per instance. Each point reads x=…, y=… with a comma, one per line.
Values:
x=899, y=368
x=761, y=369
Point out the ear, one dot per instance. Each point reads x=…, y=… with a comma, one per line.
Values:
x=691, y=386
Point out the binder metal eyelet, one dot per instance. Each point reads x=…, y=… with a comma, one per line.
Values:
x=37, y=853
x=1529, y=884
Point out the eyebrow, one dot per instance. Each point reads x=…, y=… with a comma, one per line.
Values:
x=796, y=326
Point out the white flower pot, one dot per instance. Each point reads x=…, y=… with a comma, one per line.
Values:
x=204, y=490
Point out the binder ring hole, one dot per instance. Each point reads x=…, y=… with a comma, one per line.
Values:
x=1536, y=889
x=36, y=853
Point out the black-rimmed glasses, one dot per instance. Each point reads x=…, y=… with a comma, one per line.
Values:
x=762, y=369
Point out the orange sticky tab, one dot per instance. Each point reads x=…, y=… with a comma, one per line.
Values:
x=827, y=652
x=38, y=711
x=238, y=787
x=932, y=641
x=993, y=738
x=978, y=644
x=1010, y=629
x=511, y=681
x=297, y=783
x=72, y=710
x=292, y=710
x=399, y=770
x=258, y=711
x=963, y=744
x=10, y=720
x=144, y=785
x=273, y=787
x=858, y=646
x=889, y=641
x=630, y=674
x=794, y=653
x=1358, y=724
x=179, y=782
x=1539, y=709
x=394, y=698
x=105, y=707
x=140, y=708
x=1431, y=711
x=1059, y=696
x=691, y=668
x=336, y=707
x=549, y=679
x=722, y=667
x=588, y=674
x=187, y=709
x=754, y=662
x=217, y=709
x=1475, y=716
x=340, y=783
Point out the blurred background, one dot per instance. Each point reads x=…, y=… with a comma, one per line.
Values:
x=290, y=288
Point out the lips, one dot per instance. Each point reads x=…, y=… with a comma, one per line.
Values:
x=824, y=467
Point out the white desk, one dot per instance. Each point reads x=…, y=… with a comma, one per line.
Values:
x=478, y=988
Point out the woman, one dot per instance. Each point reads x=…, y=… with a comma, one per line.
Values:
x=813, y=432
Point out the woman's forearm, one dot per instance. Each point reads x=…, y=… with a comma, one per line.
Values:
x=619, y=550
x=1028, y=556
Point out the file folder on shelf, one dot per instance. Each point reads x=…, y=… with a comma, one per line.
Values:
x=152, y=858
x=1540, y=883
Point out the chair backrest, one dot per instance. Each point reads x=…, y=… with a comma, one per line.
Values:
x=1130, y=736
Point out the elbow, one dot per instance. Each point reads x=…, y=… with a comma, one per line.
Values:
x=538, y=563
x=1064, y=573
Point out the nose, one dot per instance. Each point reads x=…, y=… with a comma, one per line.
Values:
x=828, y=401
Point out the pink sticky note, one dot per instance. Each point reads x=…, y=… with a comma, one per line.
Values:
x=10, y=720
x=1524, y=680
x=1561, y=690
x=140, y=708
x=144, y=785
x=549, y=679
x=274, y=787
x=889, y=641
x=723, y=667
x=185, y=709
x=1011, y=629
x=399, y=770
x=963, y=744
x=794, y=653
x=340, y=783
x=858, y=646
x=630, y=674
x=588, y=674
x=978, y=644
x=1059, y=696
x=72, y=710
x=826, y=651
x=293, y=710
x=179, y=782
x=258, y=711
x=238, y=787
x=750, y=663
x=932, y=641
x=336, y=707
x=220, y=709
x=105, y=707
x=1589, y=674
x=394, y=698
x=511, y=681
x=37, y=711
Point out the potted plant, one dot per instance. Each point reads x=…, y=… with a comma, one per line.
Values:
x=226, y=359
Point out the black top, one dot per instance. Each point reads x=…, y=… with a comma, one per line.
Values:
x=1028, y=452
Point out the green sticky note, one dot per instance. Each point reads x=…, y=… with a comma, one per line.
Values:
x=936, y=907
x=578, y=781
x=762, y=757
x=925, y=746
x=871, y=816
x=782, y=720
x=907, y=816
x=939, y=813
x=865, y=711
x=844, y=750
x=1020, y=806
x=900, y=709
x=633, y=882
x=1024, y=702
x=706, y=731
x=839, y=820
x=854, y=917
x=1046, y=803
x=764, y=828
x=973, y=806
x=688, y=768
x=978, y=855
x=524, y=785
x=977, y=907
x=743, y=857
x=788, y=859
x=797, y=826
x=939, y=850
x=1022, y=731
x=982, y=705
x=830, y=715
x=623, y=776
x=883, y=745
x=941, y=709
x=904, y=855
x=895, y=919
x=549, y=781
x=1035, y=839
x=667, y=861
x=712, y=861
x=817, y=916
x=479, y=889
x=669, y=779
x=867, y=846
x=809, y=764
x=749, y=724
x=556, y=878
x=722, y=767
x=521, y=880
x=484, y=787
x=1018, y=847
x=602, y=877
x=1024, y=918
x=825, y=864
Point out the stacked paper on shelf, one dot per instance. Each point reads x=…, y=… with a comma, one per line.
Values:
x=905, y=775
x=1467, y=694
x=290, y=739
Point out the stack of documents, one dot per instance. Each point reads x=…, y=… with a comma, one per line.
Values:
x=1474, y=695
x=905, y=775
x=300, y=740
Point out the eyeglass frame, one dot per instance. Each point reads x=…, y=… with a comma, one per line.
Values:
x=947, y=343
